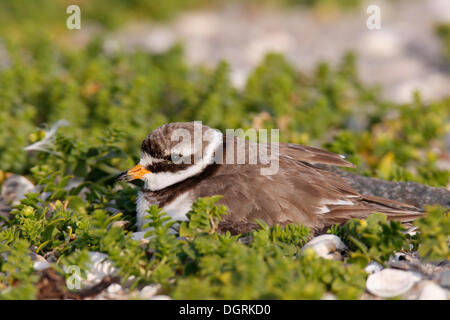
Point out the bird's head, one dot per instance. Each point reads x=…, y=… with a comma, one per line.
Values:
x=174, y=152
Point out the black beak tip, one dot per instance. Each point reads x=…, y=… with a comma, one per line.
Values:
x=123, y=176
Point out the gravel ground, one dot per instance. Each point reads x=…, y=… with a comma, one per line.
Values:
x=402, y=56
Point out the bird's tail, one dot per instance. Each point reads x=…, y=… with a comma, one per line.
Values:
x=394, y=210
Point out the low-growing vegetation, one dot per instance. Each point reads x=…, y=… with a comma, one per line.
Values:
x=112, y=101
x=133, y=93
x=66, y=220
x=443, y=31
x=114, y=13
x=199, y=263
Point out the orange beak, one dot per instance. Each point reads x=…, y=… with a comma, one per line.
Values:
x=137, y=172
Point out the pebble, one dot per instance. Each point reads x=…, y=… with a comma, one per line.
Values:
x=41, y=265
x=121, y=224
x=389, y=283
x=39, y=262
x=4, y=210
x=114, y=288
x=383, y=44
x=15, y=188
x=139, y=236
x=327, y=246
x=242, y=39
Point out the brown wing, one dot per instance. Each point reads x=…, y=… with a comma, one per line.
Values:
x=312, y=155
x=298, y=193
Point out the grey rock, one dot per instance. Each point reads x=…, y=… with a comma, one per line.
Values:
x=5, y=209
x=413, y=193
x=444, y=279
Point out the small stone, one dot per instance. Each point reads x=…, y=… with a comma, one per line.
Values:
x=114, y=288
x=390, y=283
x=15, y=188
x=4, y=210
x=381, y=44
x=41, y=265
x=139, y=236
x=159, y=40
x=431, y=291
x=121, y=224
x=327, y=246
x=39, y=262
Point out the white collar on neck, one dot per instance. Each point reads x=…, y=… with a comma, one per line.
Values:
x=160, y=180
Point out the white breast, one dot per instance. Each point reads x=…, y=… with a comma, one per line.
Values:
x=176, y=209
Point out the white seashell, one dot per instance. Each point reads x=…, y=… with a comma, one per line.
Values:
x=390, y=283
x=98, y=268
x=373, y=267
x=41, y=265
x=432, y=291
x=161, y=297
x=39, y=262
x=329, y=296
x=327, y=246
x=149, y=292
